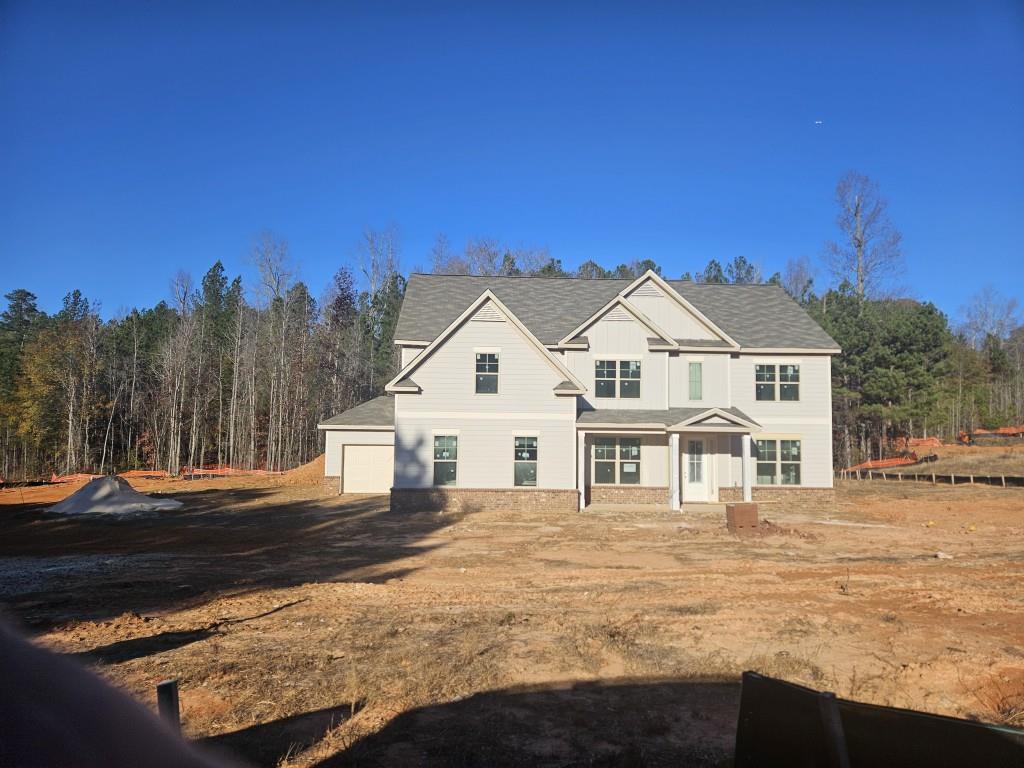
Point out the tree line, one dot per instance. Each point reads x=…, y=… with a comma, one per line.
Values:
x=226, y=373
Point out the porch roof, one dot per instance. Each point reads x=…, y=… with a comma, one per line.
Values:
x=710, y=419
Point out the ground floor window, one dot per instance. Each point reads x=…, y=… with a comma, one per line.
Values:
x=525, y=461
x=617, y=460
x=778, y=462
x=446, y=458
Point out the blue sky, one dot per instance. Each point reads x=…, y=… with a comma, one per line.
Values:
x=139, y=139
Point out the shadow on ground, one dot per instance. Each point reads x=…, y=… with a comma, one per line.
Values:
x=624, y=723
x=222, y=542
x=269, y=743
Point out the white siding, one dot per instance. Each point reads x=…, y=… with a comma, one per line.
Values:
x=485, y=450
x=809, y=419
x=336, y=438
x=715, y=372
x=409, y=354
x=615, y=339
x=671, y=317
x=654, y=461
x=525, y=405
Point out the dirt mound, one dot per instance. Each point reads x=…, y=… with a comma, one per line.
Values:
x=110, y=495
x=311, y=472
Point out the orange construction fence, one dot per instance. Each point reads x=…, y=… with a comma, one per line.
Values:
x=898, y=461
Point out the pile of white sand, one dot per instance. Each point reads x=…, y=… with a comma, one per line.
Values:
x=110, y=496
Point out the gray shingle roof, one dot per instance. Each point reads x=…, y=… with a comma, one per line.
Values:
x=666, y=417
x=754, y=315
x=379, y=412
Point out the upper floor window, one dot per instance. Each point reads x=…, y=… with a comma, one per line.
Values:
x=777, y=382
x=696, y=381
x=617, y=378
x=486, y=373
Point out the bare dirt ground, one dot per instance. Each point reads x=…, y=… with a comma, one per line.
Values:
x=308, y=629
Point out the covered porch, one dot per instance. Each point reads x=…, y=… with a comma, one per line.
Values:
x=672, y=457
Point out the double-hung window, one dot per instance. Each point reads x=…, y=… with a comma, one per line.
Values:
x=525, y=461
x=777, y=382
x=617, y=460
x=696, y=381
x=486, y=373
x=778, y=462
x=446, y=459
x=617, y=378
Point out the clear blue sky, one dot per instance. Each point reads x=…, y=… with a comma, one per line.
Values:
x=137, y=139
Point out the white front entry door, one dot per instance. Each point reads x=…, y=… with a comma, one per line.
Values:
x=696, y=483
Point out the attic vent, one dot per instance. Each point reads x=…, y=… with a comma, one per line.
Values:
x=648, y=289
x=618, y=314
x=488, y=313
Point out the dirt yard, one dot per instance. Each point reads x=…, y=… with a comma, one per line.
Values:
x=308, y=629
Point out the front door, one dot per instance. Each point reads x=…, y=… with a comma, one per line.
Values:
x=695, y=471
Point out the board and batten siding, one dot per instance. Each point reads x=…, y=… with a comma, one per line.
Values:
x=335, y=439
x=667, y=314
x=808, y=419
x=486, y=424
x=621, y=340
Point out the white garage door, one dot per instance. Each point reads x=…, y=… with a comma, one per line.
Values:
x=368, y=468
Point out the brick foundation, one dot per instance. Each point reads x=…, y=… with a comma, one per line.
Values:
x=777, y=498
x=479, y=499
x=627, y=494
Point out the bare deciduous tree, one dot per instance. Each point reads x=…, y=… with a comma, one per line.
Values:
x=869, y=255
x=989, y=313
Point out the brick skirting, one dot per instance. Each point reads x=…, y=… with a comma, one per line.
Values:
x=775, y=498
x=478, y=499
x=627, y=494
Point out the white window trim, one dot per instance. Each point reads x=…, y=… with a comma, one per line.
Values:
x=778, y=363
x=487, y=351
x=777, y=439
x=445, y=433
x=700, y=362
x=617, y=379
x=515, y=460
x=618, y=460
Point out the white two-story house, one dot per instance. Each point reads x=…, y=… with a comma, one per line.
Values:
x=559, y=393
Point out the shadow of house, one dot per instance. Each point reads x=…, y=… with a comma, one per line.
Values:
x=631, y=723
x=221, y=542
x=269, y=743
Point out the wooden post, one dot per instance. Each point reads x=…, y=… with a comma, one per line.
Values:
x=1004, y=480
x=933, y=478
x=167, y=704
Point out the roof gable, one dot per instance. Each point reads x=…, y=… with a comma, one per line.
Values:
x=620, y=310
x=487, y=308
x=652, y=294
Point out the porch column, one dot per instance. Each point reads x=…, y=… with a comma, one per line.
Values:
x=674, y=486
x=581, y=468
x=745, y=442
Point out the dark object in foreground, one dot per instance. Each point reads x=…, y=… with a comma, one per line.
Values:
x=741, y=518
x=54, y=712
x=786, y=724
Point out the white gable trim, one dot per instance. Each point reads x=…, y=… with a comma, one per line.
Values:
x=620, y=302
x=694, y=423
x=486, y=296
x=673, y=294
